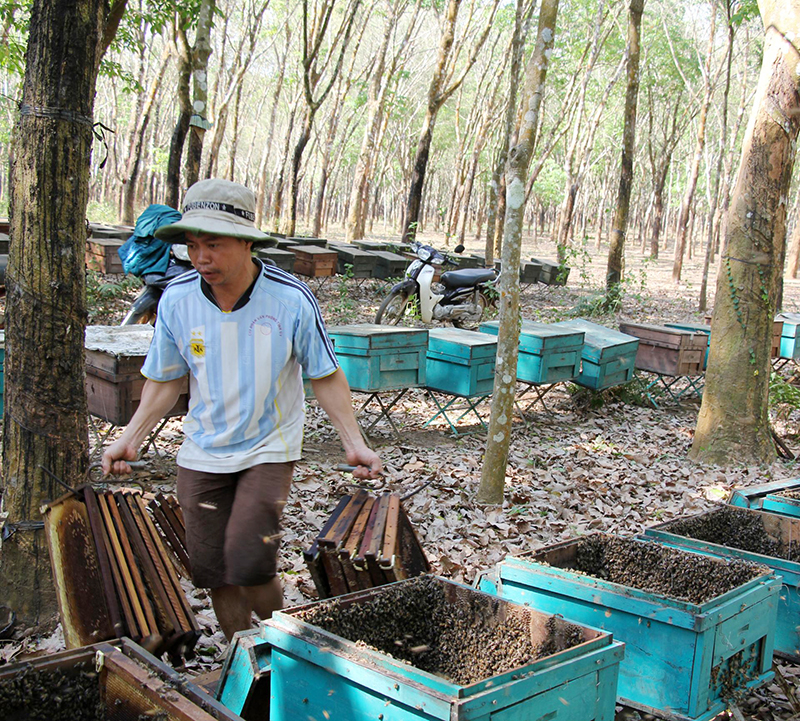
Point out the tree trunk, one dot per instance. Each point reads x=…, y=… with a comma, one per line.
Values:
x=45, y=402
x=198, y=123
x=794, y=243
x=691, y=185
x=617, y=244
x=505, y=380
x=181, y=48
x=733, y=424
x=129, y=196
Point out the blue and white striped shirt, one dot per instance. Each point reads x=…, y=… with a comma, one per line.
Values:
x=246, y=391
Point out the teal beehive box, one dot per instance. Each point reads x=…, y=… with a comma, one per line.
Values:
x=608, y=357
x=790, y=335
x=460, y=362
x=756, y=496
x=682, y=659
x=547, y=354
x=701, y=533
x=317, y=673
x=379, y=358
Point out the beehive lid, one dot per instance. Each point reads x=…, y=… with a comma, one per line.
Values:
x=665, y=336
x=2, y=339
x=314, y=250
x=460, y=344
x=694, y=327
x=601, y=343
x=371, y=336
x=791, y=324
x=119, y=340
x=535, y=337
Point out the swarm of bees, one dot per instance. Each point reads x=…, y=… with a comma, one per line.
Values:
x=52, y=695
x=465, y=639
x=670, y=572
x=735, y=528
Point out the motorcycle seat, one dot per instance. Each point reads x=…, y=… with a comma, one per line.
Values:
x=466, y=278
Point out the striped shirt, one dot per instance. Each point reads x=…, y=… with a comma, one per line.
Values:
x=246, y=392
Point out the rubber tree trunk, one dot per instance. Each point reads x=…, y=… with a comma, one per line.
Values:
x=178, y=138
x=198, y=122
x=505, y=378
x=617, y=245
x=44, y=426
x=733, y=424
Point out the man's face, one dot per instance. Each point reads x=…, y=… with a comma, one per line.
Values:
x=220, y=259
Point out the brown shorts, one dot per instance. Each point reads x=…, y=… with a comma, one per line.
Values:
x=233, y=523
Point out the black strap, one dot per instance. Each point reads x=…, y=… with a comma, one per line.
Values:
x=223, y=207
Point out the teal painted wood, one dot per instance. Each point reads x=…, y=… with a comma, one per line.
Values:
x=452, y=375
x=695, y=328
x=546, y=354
x=773, y=503
x=753, y=496
x=608, y=356
x=378, y=358
x=460, y=362
x=318, y=675
x=785, y=529
x=245, y=677
x=790, y=335
x=671, y=646
x=467, y=345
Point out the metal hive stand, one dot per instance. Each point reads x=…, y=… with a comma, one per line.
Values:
x=471, y=402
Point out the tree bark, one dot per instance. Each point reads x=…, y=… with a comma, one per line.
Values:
x=44, y=426
x=198, y=122
x=180, y=47
x=733, y=424
x=505, y=379
x=617, y=244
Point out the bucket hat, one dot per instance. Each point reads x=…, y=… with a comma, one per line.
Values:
x=219, y=207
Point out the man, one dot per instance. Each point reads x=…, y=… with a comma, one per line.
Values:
x=242, y=330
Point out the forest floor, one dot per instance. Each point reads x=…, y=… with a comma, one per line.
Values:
x=589, y=462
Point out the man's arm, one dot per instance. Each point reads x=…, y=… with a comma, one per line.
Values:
x=333, y=394
x=157, y=400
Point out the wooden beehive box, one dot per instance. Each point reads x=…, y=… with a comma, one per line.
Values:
x=362, y=262
x=552, y=273
x=777, y=333
x=467, y=261
x=317, y=674
x=114, y=382
x=5, y=225
x=460, y=362
x=678, y=655
x=284, y=259
x=120, y=680
x=695, y=328
x=782, y=529
x=379, y=358
x=547, y=354
x=528, y=272
x=4, y=239
x=372, y=245
x=310, y=240
x=389, y=265
x=313, y=261
x=286, y=244
x=105, y=230
x=608, y=357
x=790, y=335
x=368, y=541
x=669, y=351
x=101, y=254
x=755, y=496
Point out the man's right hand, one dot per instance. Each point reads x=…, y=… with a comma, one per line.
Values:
x=115, y=457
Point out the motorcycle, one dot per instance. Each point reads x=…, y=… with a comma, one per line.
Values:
x=460, y=296
x=144, y=306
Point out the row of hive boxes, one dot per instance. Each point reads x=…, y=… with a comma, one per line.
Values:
x=383, y=358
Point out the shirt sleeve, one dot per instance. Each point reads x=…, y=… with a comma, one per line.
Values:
x=164, y=361
x=311, y=345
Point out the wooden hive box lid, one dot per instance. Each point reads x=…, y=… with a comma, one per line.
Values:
x=601, y=343
x=368, y=336
x=666, y=337
x=313, y=250
x=115, y=349
x=790, y=324
x=537, y=337
x=460, y=345
x=387, y=255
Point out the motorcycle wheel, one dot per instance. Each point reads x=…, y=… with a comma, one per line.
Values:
x=393, y=308
x=473, y=320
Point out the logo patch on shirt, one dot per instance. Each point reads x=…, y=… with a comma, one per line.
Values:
x=197, y=347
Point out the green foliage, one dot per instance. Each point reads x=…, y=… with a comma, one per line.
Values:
x=344, y=305
x=784, y=397
x=102, y=292
x=549, y=186
x=102, y=212
x=15, y=15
